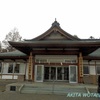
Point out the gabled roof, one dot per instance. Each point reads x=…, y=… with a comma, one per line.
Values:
x=55, y=33
x=56, y=38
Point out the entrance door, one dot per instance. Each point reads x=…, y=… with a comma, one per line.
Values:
x=46, y=73
x=66, y=73
x=59, y=73
x=53, y=73
x=39, y=73
x=56, y=73
x=73, y=74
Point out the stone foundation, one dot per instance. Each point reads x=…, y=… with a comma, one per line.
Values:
x=90, y=79
x=15, y=87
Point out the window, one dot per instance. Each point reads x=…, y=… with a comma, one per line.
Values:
x=86, y=69
x=16, y=70
x=10, y=68
x=98, y=70
x=0, y=67
x=12, y=88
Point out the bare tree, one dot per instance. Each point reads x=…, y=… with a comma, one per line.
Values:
x=13, y=35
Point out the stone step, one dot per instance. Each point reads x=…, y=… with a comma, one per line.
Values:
x=50, y=90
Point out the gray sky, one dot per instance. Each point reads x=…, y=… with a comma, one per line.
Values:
x=34, y=17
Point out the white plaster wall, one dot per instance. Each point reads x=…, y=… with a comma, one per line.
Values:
x=7, y=76
x=98, y=62
x=85, y=62
x=92, y=62
x=26, y=76
x=88, y=62
x=55, y=60
x=22, y=68
x=15, y=77
x=5, y=68
x=92, y=70
x=56, y=56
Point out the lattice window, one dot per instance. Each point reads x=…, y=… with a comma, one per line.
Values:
x=10, y=68
x=86, y=69
x=16, y=70
x=98, y=69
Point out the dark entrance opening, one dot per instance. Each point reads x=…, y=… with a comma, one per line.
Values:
x=56, y=73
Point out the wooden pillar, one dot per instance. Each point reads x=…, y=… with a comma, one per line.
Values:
x=30, y=67
x=33, y=66
x=13, y=69
x=2, y=69
x=96, y=73
x=80, y=68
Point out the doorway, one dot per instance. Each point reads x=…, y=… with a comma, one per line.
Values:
x=72, y=74
x=39, y=73
x=56, y=73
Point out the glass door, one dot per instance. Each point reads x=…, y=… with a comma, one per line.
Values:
x=66, y=73
x=39, y=73
x=73, y=74
x=46, y=73
x=53, y=73
x=59, y=73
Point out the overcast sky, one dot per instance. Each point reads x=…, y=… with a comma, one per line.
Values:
x=34, y=17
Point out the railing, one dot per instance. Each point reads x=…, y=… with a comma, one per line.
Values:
x=21, y=88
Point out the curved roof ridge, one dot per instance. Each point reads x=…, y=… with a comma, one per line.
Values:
x=55, y=26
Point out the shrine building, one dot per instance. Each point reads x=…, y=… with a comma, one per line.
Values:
x=54, y=55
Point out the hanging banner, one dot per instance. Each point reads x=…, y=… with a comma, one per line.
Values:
x=81, y=66
x=30, y=67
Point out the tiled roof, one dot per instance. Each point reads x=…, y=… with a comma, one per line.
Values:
x=13, y=53
x=96, y=53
